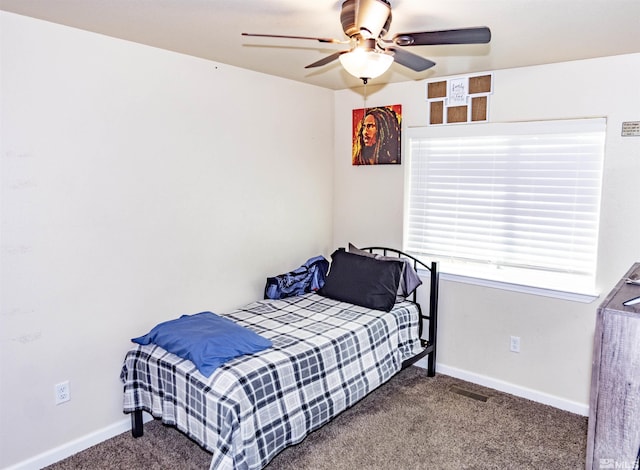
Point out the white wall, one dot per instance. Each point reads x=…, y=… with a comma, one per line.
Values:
x=475, y=322
x=137, y=185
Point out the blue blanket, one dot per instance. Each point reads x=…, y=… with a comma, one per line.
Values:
x=205, y=339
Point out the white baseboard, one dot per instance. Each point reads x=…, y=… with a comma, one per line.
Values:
x=523, y=392
x=70, y=448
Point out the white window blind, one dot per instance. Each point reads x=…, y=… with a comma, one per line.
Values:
x=513, y=202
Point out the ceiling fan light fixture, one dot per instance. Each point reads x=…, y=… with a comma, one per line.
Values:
x=365, y=64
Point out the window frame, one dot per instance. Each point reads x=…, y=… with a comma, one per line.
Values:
x=487, y=274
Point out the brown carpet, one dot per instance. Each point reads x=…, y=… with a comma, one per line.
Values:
x=412, y=422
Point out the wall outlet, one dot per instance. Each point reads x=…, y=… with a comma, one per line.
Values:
x=515, y=344
x=63, y=393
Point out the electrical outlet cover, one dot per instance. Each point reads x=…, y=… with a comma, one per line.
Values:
x=515, y=344
x=62, y=392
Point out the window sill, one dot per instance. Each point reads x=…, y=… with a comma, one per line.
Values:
x=556, y=294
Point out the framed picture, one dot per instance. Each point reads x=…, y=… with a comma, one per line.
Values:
x=459, y=99
x=377, y=135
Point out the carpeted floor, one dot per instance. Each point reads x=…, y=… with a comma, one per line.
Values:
x=412, y=422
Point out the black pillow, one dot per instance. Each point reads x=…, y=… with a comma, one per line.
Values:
x=363, y=281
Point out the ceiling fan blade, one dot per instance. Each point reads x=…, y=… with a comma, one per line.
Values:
x=410, y=60
x=325, y=40
x=326, y=60
x=480, y=35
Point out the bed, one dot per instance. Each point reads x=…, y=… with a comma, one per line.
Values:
x=327, y=353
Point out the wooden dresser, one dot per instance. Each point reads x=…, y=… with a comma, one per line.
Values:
x=614, y=414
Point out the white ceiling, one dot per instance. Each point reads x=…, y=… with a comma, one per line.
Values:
x=524, y=32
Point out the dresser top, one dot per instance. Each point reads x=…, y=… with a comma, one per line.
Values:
x=623, y=292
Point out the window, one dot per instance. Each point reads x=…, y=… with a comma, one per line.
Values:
x=510, y=202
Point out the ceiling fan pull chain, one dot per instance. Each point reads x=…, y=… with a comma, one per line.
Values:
x=364, y=103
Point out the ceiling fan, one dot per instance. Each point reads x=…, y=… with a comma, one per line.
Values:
x=366, y=22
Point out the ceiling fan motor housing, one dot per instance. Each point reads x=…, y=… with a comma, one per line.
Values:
x=369, y=18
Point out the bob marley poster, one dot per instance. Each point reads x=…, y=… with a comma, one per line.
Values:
x=376, y=135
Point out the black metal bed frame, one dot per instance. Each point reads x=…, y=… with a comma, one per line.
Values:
x=429, y=344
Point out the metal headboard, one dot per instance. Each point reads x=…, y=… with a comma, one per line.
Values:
x=430, y=343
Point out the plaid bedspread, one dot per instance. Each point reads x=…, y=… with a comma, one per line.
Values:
x=326, y=356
